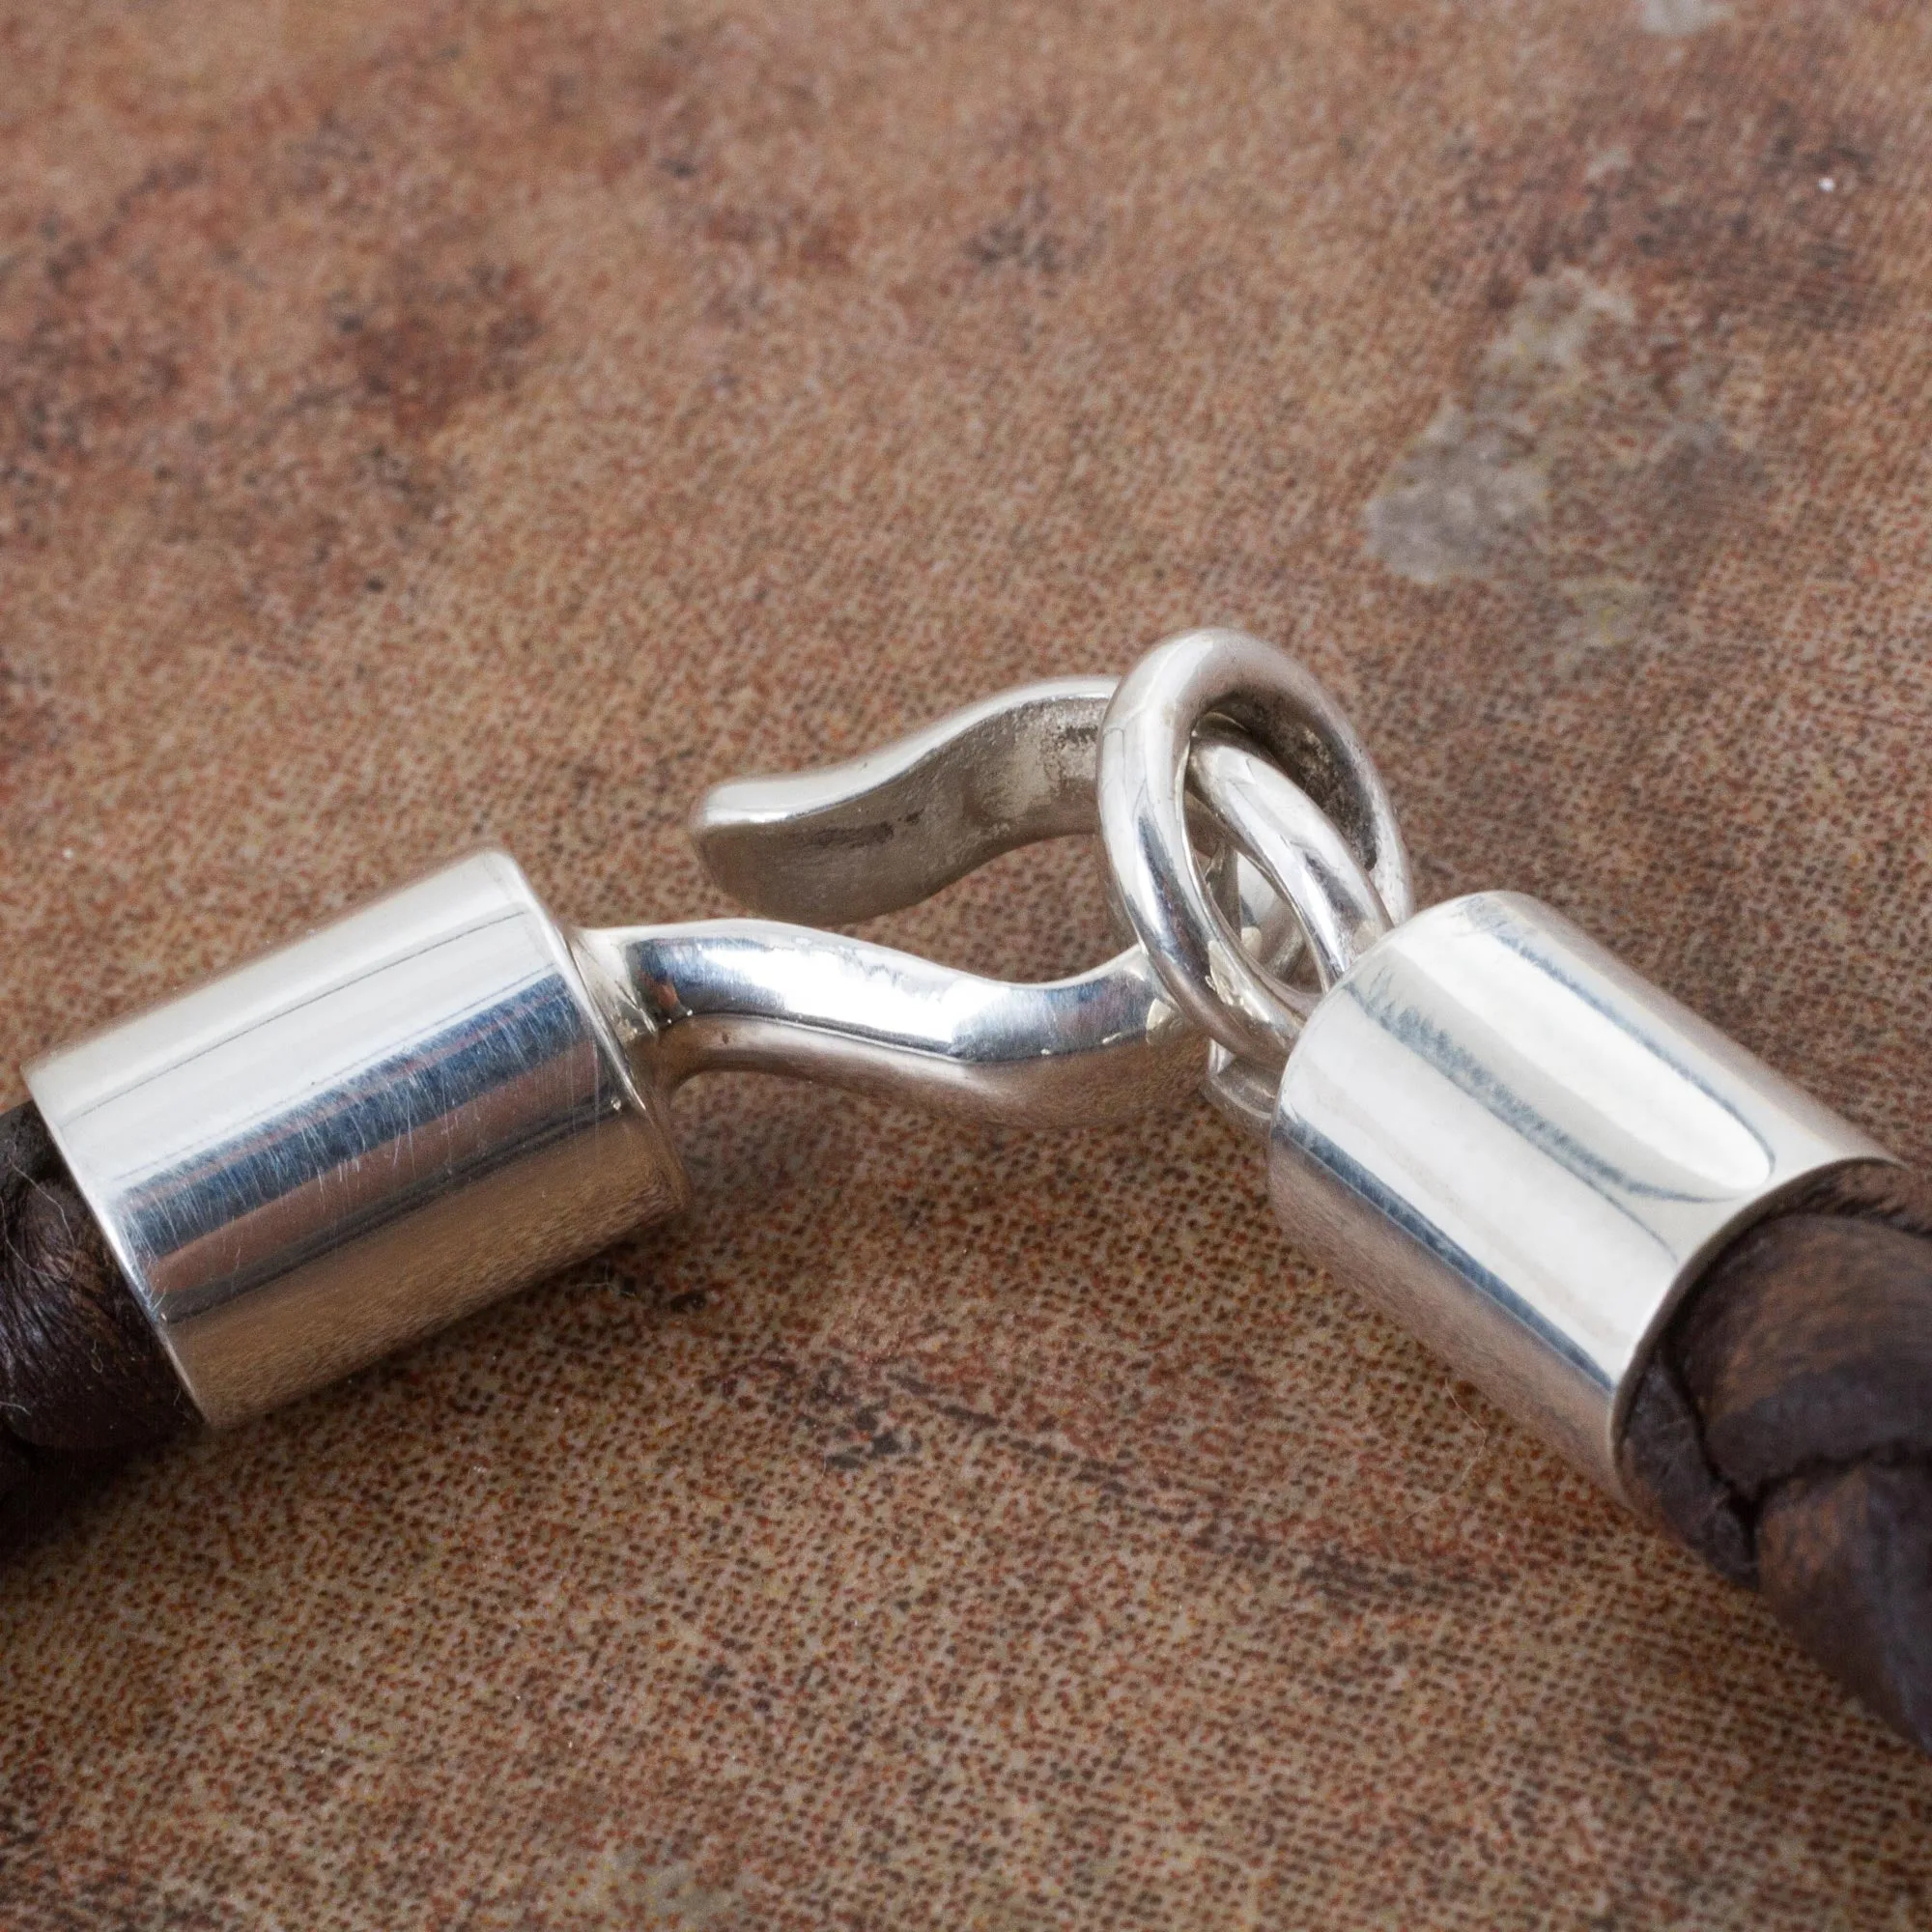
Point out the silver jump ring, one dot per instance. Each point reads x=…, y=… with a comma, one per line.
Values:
x=1279, y=707
x=1297, y=874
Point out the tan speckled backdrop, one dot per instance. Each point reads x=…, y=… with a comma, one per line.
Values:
x=427, y=423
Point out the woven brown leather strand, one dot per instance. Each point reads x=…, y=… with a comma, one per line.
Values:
x=82, y=1378
x=1784, y=1430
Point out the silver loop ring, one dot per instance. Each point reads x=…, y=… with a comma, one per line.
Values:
x=1279, y=707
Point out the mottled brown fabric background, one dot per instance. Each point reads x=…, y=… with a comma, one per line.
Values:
x=428, y=423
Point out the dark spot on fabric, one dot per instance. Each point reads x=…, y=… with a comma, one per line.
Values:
x=429, y=348
x=786, y=240
x=1026, y=238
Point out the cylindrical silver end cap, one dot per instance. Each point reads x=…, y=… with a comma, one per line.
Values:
x=360, y=1137
x=1524, y=1153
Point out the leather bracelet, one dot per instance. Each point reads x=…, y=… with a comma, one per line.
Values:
x=1712, y=1295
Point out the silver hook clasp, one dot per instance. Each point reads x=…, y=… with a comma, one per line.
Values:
x=1200, y=745
x=871, y=836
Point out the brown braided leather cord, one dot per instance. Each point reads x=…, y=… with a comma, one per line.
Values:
x=1783, y=1430
x=82, y=1378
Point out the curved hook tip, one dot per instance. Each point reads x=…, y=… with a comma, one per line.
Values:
x=882, y=832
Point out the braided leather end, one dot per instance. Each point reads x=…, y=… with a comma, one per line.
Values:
x=82, y=1378
x=1783, y=1430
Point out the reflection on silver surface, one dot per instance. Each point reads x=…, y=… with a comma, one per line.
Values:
x=1524, y=1152
x=847, y=843
x=757, y=997
x=359, y=1137
x=1299, y=853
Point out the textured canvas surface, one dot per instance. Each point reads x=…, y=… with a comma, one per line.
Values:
x=426, y=424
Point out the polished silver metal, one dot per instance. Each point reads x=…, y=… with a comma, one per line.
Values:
x=1302, y=898
x=1334, y=906
x=886, y=829
x=1524, y=1153
x=850, y=842
x=1506, y=1139
x=359, y=1137
x=366, y=1134
x=757, y=996
x=1146, y=742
